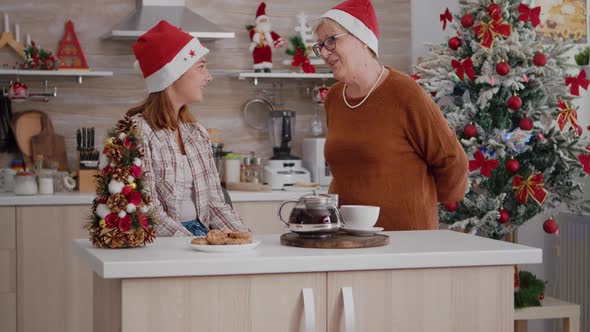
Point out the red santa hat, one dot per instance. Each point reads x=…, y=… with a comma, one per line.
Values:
x=164, y=53
x=261, y=13
x=358, y=17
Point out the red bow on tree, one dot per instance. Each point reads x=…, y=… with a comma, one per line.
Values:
x=298, y=58
x=464, y=67
x=527, y=13
x=533, y=186
x=577, y=82
x=585, y=160
x=415, y=76
x=446, y=16
x=488, y=31
x=481, y=162
x=566, y=115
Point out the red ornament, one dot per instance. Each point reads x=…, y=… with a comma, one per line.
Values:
x=469, y=131
x=451, y=206
x=69, y=52
x=482, y=163
x=512, y=165
x=514, y=103
x=539, y=59
x=542, y=296
x=18, y=91
x=526, y=123
x=504, y=216
x=577, y=82
x=467, y=21
x=446, y=16
x=454, y=43
x=494, y=8
x=502, y=68
x=550, y=226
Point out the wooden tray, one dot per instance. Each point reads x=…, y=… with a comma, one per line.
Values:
x=336, y=241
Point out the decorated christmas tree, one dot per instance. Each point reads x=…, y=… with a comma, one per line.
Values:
x=508, y=98
x=121, y=214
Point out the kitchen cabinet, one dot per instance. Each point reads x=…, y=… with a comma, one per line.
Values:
x=54, y=287
x=7, y=269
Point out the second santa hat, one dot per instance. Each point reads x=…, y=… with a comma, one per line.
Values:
x=359, y=18
x=165, y=53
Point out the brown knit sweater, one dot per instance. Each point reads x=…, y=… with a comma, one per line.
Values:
x=395, y=151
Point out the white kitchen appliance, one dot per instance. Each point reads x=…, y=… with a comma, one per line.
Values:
x=281, y=174
x=313, y=160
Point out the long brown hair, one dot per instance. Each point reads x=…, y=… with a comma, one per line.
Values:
x=157, y=110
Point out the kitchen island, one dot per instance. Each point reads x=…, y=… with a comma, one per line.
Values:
x=422, y=281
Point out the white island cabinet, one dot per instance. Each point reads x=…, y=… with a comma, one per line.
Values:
x=439, y=281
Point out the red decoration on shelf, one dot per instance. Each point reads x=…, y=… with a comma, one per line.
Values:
x=502, y=68
x=527, y=13
x=577, y=82
x=514, y=103
x=469, y=131
x=539, y=59
x=512, y=165
x=451, y=206
x=533, y=187
x=455, y=43
x=495, y=27
x=484, y=165
x=526, y=123
x=464, y=67
x=70, y=53
x=550, y=227
x=504, y=217
x=446, y=16
x=467, y=21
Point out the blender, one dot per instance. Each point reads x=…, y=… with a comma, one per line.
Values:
x=283, y=169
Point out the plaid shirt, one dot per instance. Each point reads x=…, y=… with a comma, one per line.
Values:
x=164, y=179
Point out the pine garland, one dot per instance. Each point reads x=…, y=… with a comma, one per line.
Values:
x=530, y=291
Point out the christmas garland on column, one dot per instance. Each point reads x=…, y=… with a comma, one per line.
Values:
x=121, y=214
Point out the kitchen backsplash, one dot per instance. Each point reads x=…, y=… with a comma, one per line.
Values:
x=100, y=102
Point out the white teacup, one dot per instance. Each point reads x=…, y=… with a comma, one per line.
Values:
x=359, y=216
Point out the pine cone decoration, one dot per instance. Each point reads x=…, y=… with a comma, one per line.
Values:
x=150, y=235
x=120, y=174
x=135, y=239
x=117, y=202
x=115, y=153
x=125, y=125
x=118, y=240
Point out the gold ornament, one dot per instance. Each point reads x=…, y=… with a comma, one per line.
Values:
x=102, y=223
x=133, y=185
x=110, y=142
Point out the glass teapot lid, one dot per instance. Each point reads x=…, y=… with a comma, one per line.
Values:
x=317, y=201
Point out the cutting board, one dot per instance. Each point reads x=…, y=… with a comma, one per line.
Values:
x=25, y=125
x=336, y=241
x=50, y=145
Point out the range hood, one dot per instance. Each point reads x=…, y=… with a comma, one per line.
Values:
x=150, y=12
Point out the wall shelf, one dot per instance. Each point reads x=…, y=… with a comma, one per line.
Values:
x=283, y=75
x=46, y=73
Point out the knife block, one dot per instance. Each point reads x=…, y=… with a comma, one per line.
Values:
x=86, y=179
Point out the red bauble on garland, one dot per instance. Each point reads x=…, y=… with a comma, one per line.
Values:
x=514, y=103
x=502, y=68
x=539, y=59
x=526, y=123
x=504, y=217
x=454, y=43
x=451, y=206
x=470, y=131
x=493, y=8
x=467, y=21
x=550, y=226
x=512, y=166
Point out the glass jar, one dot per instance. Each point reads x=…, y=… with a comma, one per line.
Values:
x=25, y=183
x=46, y=182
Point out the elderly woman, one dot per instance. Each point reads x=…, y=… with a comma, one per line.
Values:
x=180, y=171
x=388, y=144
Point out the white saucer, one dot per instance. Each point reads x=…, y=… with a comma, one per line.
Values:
x=225, y=248
x=365, y=231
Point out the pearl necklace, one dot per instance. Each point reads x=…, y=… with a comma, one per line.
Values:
x=368, y=94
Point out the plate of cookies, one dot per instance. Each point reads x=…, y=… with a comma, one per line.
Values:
x=224, y=241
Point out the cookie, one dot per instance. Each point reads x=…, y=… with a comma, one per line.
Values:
x=216, y=237
x=238, y=241
x=199, y=240
x=240, y=235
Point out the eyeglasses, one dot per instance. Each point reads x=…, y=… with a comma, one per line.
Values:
x=329, y=44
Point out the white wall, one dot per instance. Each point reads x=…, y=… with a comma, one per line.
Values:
x=426, y=24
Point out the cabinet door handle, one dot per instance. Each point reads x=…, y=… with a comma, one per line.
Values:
x=348, y=300
x=309, y=309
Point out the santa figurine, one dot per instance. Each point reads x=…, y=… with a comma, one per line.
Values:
x=263, y=40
